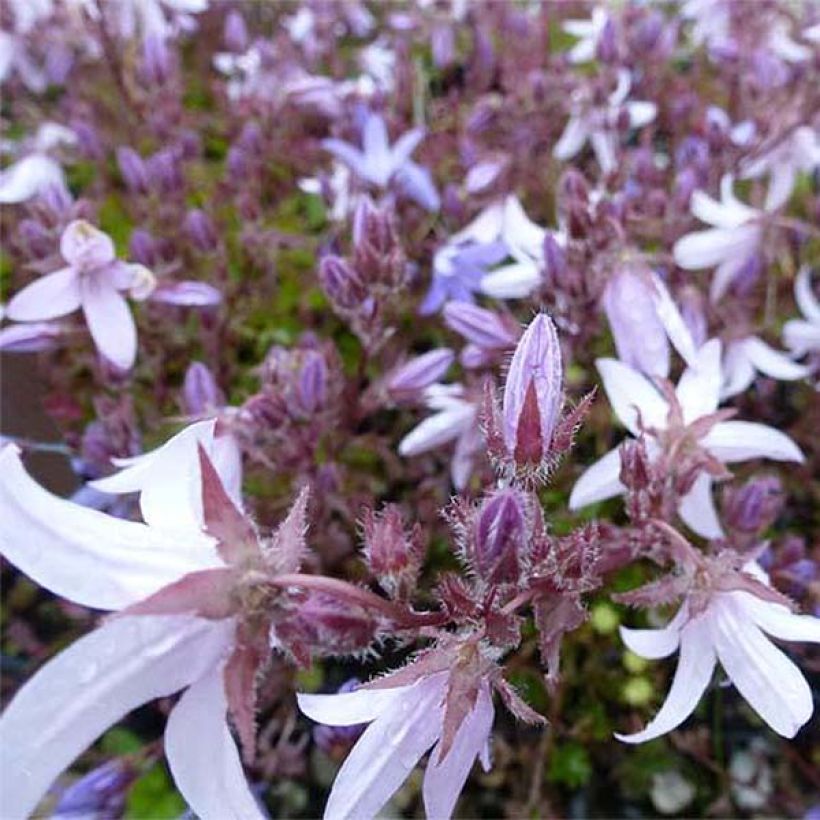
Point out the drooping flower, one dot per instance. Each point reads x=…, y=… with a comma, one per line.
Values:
x=92, y=280
x=746, y=357
x=731, y=245
x=381, y=164
x=690, y=424
x=730, y=620
x=802, y=336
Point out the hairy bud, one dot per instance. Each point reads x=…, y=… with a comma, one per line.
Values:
x=500, y=537
x=341, y=283
x=200, y=392
x=755, y=505
x=392, y=554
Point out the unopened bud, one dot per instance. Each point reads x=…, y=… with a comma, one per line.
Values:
x=312, y=383
x=100, y=793
x=392, y=554
x=422, y=371
x=200, y=393
x=133, y=169
x=235, y=32
x=155, y=67
x=37, y=239
x=755, y=505
x=164, y=172
x=143, y=248
x=341, y=283
x=555, y=259
x=500, y=535
x=200, y=230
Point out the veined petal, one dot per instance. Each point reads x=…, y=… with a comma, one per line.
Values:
x=387, y=752
x=202, y=754
x=772, y=362
x=91, y=685
x=437, y=430
x=656, y=643
x=692, y=676
x=772, y=685
x=697, y=509
x=110, y=321
x=598, y=482
x=54, y=294
x=630, y=394
x=777, y=620
x=515, y=281
x=350, y=708
x=740, y=440
x=86, y=556
x=698, y=390
x=444, y=780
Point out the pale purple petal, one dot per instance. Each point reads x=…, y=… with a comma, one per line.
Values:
x=673, y=322
x=187, y=294
x=598, y=482
x=417, y=183
x=388, y=751
x=52, y=295
x=697, y=509
x=772, y=362
x=741, y=440
x=84, y=555
x=725, y=274
x=91, y=685
x=772, y=685
x=31, y=175
x=572, y=139
x=719, y=214
x=738, y=371
x=439, y=429
x=698, y=390
x=444, y=780
x=777, y=620
x=703, y=249
x=86, y=247
x=804, y=295
x=781, y=184
x=202, y=754
x=604, y=145
x=801, y=337
x=348, y=154
x=405, y=145
x=350, y=708
x=631, y=394
x=110, y=321
x=692, y=676
x=30, y=337
x=462, y=464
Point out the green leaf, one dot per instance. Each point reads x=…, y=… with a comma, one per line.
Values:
x=154, y=796
x=570, y=765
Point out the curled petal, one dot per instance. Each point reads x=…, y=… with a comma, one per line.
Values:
x=632, y=395
x=741, y=440
x=350, y=708
x=697, y=508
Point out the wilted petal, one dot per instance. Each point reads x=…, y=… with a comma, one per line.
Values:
x=202, y=754
x=698, y=390
x=598, y=482
x=772, y=685
x=387, y=752
x=84, y=555
x=692, y=676
x=740, y=440
x=350, y=708
x=697, y=509
x=91, y=685
x=110, y=322
x=632, y=394
x=444, y=780
x=54, y=294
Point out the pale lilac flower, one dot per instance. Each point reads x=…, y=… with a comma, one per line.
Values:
x=420, y=372
x=644, y=318
x=744, y=358
x=797, y=153
x=598, y=125
x=711, y=21
x=802, y=336
x=130, y=19
x=637, y=402
x=92, y=280
x=731, y=245
x=381, y=164
x=730, y=627
x=455, y=419
x=99, y=794
x=405, y=721
x=589, y=33
x=106, y=563
x=36, y=171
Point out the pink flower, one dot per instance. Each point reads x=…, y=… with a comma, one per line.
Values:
x=92, y=280
x=405, y=721
x=730, y=627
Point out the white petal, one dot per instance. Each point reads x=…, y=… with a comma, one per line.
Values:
x=387, y=752
x=84, y=555
x=641, y=113
x=801, y=337
x=598, y=482
x=350, y=708
x=716, y=213
x=703, y=249
x=740, y=440
x=52, y=295
x=605, y=145
x=772, y=685
x=110, y=322
x=485, y=228
x=523, y=236
x=515, y=281
x=655, y=643
x=804, y=295
x=630, y=393
x=738, y=371
x=28, y=177
x=202, y=755
x=91, y=685
x=405, y=145
x=692, y=676
x=697, y=509
x=437, y=430
x=777, y=620
x=698, y=390
x=772, y=362
x=673, y=322
x=443, y=781
x=573, y=138
x=781, y=184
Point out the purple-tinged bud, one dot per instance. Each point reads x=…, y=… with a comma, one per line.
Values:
x=373, y=226
x=500, y=537
x=237, y=164
x=100, y=793
x=133, y=169
x=606, y=49
x=201, y=231
x=200, y=393
x=59, y=62
x=155, y=67
x=263, y=411
x=235, y=32
x=748, y=275
x=533, y=393
x=164, y=172
x=391, y=553
x=555, y=259
x=412, y=377
x=36, y=237
x=443, y=45
x=341, y=283
x=630, y=308
x=484, y=328
x=755, y=505
x=312, y=384
x=143, y=248
x=88, y=140
x=58, y=201
x=336, y=741
x=251, y=139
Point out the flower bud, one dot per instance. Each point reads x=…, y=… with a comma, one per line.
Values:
x=133, y=169
x=36, y=237
x=200, y=393
x=311, y=388
x=422, y=371
x=235, y=32
x=754, y=506
x=100, y=793
x=201, y=231
x=143, y=248
x=555, y=259
x=155, y=67
x=532, y=393
x=187, y=294
x=500, y=537
x=164, y=172
x=392, y=554
x=341, y=283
